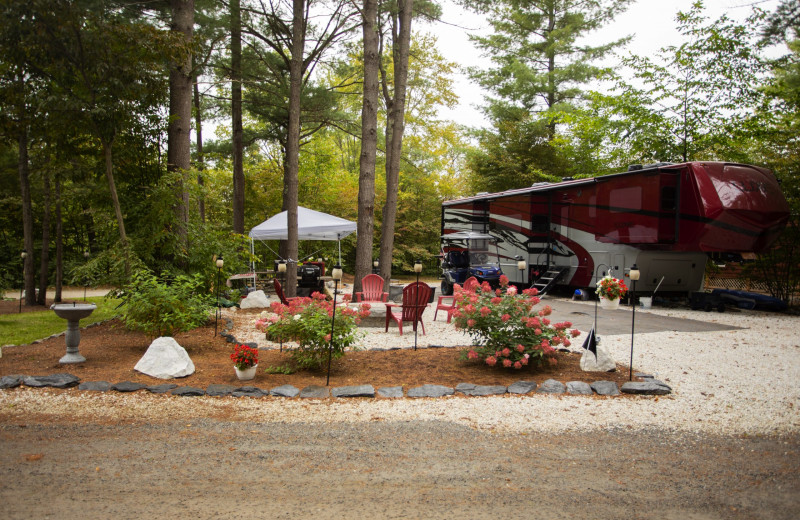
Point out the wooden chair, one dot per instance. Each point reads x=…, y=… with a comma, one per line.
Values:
x=415, y=300
x=372, y=290
x=279, y=292
x=450, y=307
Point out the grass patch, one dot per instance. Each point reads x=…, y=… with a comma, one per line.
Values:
x=21, y=329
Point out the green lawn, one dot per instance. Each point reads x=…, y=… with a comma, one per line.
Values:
x=21, y=329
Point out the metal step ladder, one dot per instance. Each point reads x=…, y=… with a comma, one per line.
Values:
x=548, y=279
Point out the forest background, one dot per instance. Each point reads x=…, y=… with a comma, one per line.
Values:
x=152, y=136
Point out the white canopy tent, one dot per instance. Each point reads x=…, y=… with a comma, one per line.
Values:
x=311, y=225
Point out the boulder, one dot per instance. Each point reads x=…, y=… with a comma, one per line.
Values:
x=165, y=359
x=255, y=300
x=601, y=362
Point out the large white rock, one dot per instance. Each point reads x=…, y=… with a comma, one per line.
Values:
x=600, y=363
x=255, y=300
x=165, y=359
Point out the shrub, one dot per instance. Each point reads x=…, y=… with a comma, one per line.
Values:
x=308, y=322
x=160, y=308
x=507, y=332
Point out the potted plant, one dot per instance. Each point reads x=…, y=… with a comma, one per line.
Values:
x=611, y=290
x=245, y=361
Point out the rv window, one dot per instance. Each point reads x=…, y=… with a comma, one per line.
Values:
x=625, y=199
x=539, y=224
x=668, y=198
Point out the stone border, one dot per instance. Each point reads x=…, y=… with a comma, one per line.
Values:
x=650, y=386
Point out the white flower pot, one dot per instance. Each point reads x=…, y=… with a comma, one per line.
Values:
x=609, y=304
x=246, y=374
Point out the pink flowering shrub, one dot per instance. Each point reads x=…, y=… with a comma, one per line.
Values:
x=308, y=322
x=505, y=328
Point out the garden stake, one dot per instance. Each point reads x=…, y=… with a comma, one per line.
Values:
x=417, y=269
x=634, y=274
x=21, y=287
x=219, y=263
x=337, y=275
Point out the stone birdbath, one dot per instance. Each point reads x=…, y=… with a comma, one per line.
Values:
x=73, y=313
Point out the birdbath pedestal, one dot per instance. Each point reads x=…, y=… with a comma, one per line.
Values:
x=73, y=313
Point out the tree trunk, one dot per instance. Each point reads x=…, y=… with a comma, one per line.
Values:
x=112, y=188
x=59, y=241
x=180, y=109
x=369, y=144
x=290, y=179
x=236, y=114
x=198, y=124
x=44, y=258
x=395, y=127
x=27, y=218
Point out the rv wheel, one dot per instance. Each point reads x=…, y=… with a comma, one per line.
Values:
x=447, y=288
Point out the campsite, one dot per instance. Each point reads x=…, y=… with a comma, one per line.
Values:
x=397, y=259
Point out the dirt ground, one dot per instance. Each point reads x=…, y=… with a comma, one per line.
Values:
x=409, y=469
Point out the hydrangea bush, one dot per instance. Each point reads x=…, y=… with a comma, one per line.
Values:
x=505, y=328
x=308, y=322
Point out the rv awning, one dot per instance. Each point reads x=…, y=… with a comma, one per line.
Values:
x=311, y=225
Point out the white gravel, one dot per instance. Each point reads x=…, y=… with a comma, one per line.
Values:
x=725, y=382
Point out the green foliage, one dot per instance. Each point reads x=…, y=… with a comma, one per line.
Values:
x=538, y=76
x=695, y=98
x=280, y=369
x=163, y=307
x=308, y=321
x=23, y=328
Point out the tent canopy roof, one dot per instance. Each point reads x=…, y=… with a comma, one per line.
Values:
x=311, y=225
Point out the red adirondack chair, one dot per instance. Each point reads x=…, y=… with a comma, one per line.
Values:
x=448, y=303
x=279, y=292
x=372, y=289
x=415, y=299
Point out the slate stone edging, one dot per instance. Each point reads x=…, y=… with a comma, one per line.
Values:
x=650, y=386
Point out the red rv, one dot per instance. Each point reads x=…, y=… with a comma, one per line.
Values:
x=665, y=218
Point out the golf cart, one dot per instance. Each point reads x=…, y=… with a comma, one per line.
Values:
x=465, y=254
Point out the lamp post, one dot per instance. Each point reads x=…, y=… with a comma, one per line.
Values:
x=336, y=274
x=521, y=266
x=22, y=255
x=375, y=265
x=417, y=269
x=219, y=263
x=86, y=277
x=634, y=274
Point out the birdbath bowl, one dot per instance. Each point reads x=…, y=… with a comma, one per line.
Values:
x=73, y=313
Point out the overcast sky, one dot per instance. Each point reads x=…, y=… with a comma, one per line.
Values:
x=650, y=22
